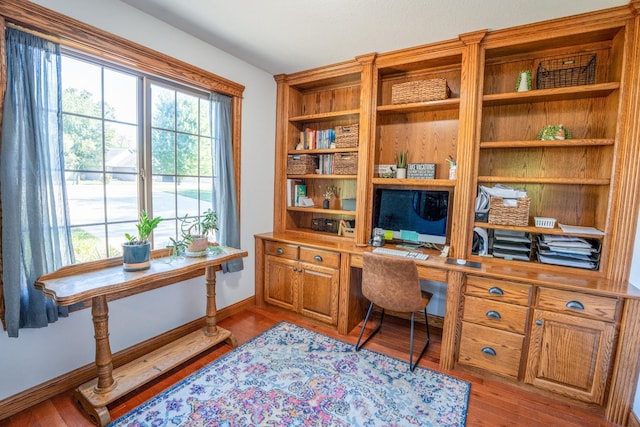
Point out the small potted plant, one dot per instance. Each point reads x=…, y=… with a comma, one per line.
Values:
x=328, y=194
x=136, y=251
x=401, y=164
x=196, y=232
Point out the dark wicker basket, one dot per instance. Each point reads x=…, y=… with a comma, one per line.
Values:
x=566, y=71
x=300, y=164
x=501, y=214
x=345, y=163
x=347, y=136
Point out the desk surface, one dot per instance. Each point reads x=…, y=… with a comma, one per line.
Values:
x=81, y=282
x=519, y=271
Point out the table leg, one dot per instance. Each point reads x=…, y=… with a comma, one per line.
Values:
x=104, y=365
x=211, y=328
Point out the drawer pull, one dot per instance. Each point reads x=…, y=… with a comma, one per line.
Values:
x=494, y=290
x=488, y=351
x=576, y=305
x=318, y=258
x=539, y=322
x=295, y=269
x=280, y=251
x=491, y=314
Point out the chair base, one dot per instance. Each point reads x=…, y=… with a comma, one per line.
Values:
x=412, y=365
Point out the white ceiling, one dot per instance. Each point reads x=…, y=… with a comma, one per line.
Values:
x=284, y=36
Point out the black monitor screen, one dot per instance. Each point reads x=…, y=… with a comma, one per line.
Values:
x=424, y=212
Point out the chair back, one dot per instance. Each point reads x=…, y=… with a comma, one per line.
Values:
x=391, y=282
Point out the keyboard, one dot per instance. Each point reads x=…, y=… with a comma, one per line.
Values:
x=400, y=253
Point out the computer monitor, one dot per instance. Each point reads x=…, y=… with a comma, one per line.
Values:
x=418, y=216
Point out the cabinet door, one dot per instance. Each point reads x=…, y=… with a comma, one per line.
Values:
x=319, y=293
x=280, y=282
x=570, y=355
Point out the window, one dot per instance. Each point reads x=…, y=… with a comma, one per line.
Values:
x=131, y=143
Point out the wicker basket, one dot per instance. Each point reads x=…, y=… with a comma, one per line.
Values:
x=566, y=71
x=501, y=214
x=347, y=136
x=300, y=164
x=345, y=163
x=419, y=91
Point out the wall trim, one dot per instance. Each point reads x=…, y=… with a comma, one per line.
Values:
x=48, y=389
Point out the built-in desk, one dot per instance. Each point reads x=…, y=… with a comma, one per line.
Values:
x=606, y=331
x=103, y=280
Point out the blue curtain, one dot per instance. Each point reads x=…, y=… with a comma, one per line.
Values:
x=224, y=185
x=35, y=234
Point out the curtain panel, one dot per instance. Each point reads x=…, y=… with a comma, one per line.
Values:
x=35, y=233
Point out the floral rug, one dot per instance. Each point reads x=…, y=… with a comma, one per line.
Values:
x=291, y=376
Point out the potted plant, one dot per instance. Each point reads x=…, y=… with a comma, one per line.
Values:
x=196, y=232
x=136, y=251
x=401, y=164
x=328, y=194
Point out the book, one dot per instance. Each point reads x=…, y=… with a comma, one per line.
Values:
x=291, y=183
x=300, y=190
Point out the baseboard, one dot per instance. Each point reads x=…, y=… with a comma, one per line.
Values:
x=633, y=420
x=28, y=398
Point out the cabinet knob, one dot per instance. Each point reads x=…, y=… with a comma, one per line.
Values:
x=280, y=251
x=318, y=258
x=576, y=305
x=491, y=314
x=489, y=351
x=494, y=290
x=539, y=322
x=295, y=269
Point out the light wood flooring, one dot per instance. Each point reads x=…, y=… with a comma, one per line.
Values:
x=492, y=402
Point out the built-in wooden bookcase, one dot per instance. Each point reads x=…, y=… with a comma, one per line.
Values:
x=322, y=101
x=570, y=180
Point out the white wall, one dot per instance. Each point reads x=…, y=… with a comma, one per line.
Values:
x=69, y=344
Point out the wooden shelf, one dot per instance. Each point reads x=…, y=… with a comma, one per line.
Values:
x=554, y=143
x=324, y=151
x=541, y=180
x=321, y=210
x=444, y=104
x=537, y=230
x=332, y=115
x=557, y=94
x=322, y=176
x=414, y=182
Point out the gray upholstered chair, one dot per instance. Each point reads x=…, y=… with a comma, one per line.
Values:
x=392, y=283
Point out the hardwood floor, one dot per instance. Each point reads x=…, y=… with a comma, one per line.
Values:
x=492, y=402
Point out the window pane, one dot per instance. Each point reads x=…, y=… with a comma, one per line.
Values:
x=81, y=87
x=120, y=96
x=206, y=161
x=205, y=118
x=121, y=148
x=163, y=152
x=116, y=235
x=122, y=198
x=187, y=118
x=164, y=193
x=89, y=243
x=188, y=197
x=163, y=108
x=206, y=196
x=187, y=155
x=85, y=200
x=82, y=139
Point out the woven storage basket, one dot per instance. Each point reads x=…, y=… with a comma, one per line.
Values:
x=345, y=163
x=300, y=164
x=501, y=214
x=347, y=136
x=419, y=91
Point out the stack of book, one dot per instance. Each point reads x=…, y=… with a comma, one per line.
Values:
x=511, y=245
x=569, y=251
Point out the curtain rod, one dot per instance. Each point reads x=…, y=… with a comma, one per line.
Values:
x=36, y=33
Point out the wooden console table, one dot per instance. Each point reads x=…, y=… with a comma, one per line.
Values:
x=103, y=280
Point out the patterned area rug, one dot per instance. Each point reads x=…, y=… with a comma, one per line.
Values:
x=291, y=376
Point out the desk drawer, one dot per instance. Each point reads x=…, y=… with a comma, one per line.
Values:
x=593, y=306
x=320, y=257
x=498, y=290
x=490, y=349
x=281, y=249
x=508, y=317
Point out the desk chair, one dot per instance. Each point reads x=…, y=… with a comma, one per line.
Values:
x=392, y=283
